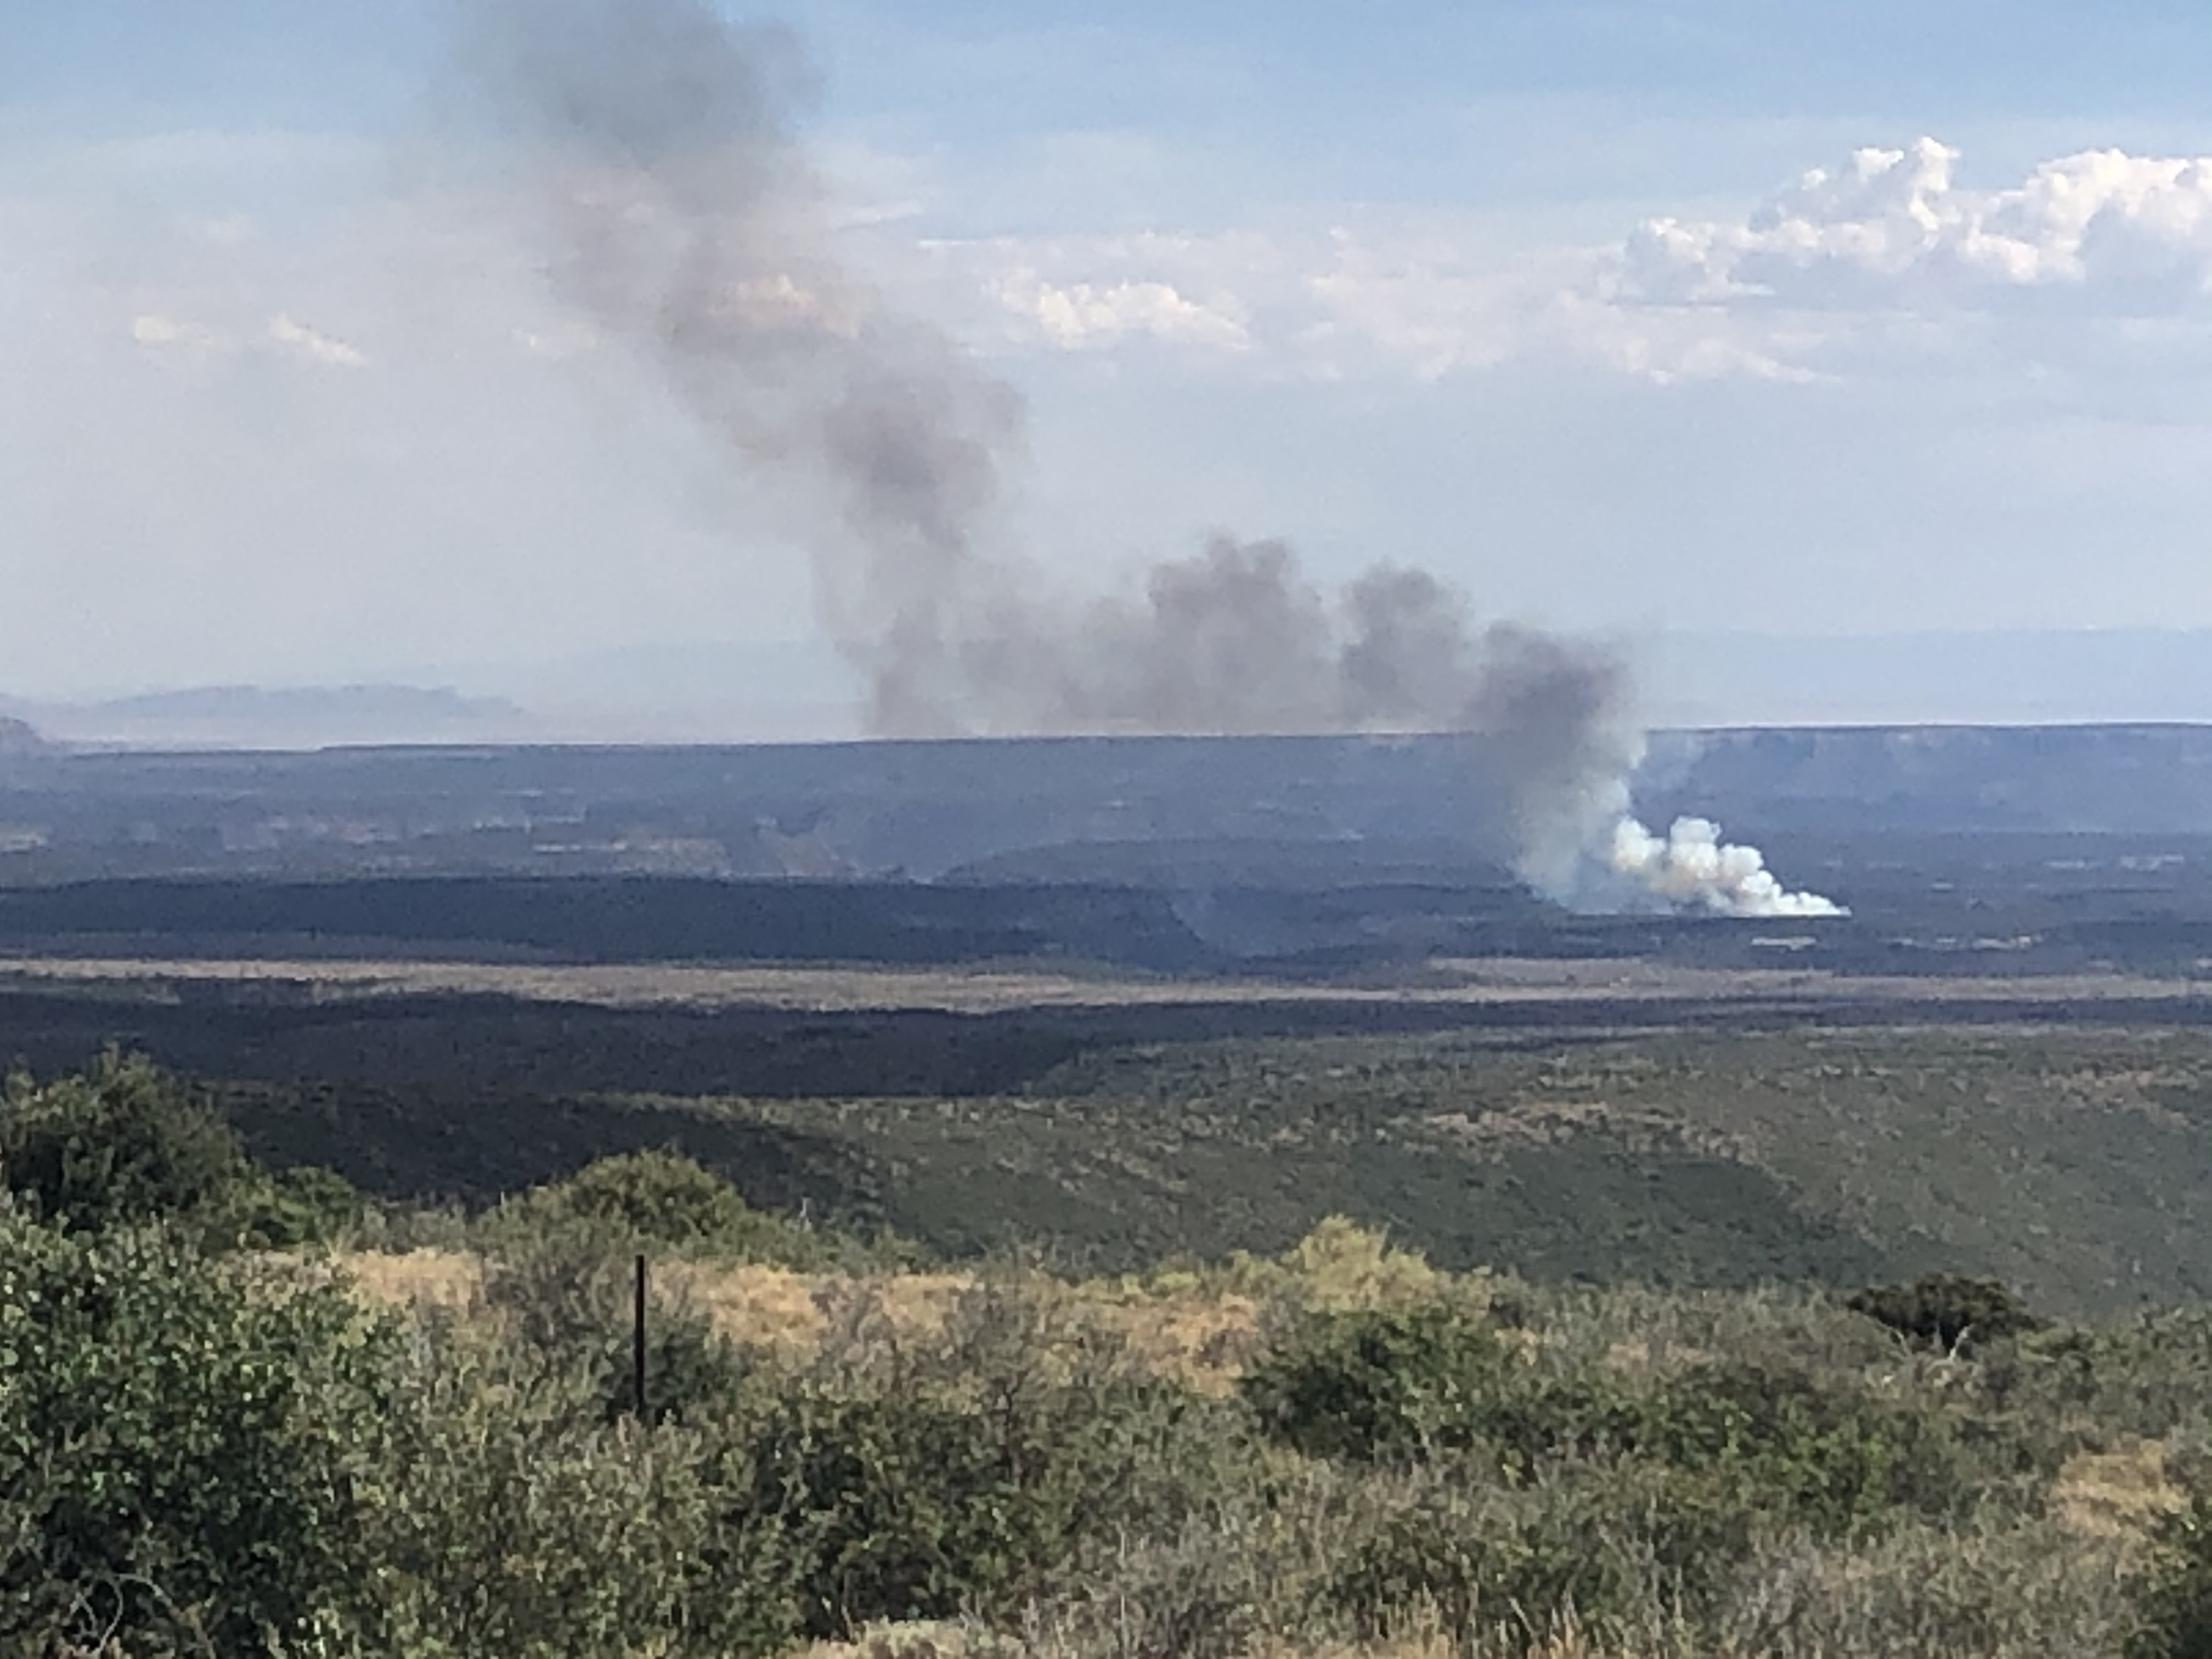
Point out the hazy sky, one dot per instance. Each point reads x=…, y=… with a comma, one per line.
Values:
x=1724, y=315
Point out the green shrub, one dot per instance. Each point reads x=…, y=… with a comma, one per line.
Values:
x=665, y=1202
x=304, y=1204
x=1715, y=1452
x=513, y=1521
x=181, y=1443
x=664, y=1198
x=563, y=1293
x=2145, y=1379
x=690, y=1368
x=1408, y=1384
x=2176, y=1602
x=566, y=1297
x=1817, y=1451
x=1539, y=1419
x=901, y=1509
x=124, y=1144
x=961, y=1474
x=2007, y=1589
x=1474, y=1561
x=1946, y=1311
x=1381, y=1385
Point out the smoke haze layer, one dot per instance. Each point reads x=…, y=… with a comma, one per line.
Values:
x=686, y=222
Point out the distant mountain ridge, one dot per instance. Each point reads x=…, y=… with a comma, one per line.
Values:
x=351, y=702
x=280, y=717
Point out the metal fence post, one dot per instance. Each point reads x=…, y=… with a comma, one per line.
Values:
x=637, y=1344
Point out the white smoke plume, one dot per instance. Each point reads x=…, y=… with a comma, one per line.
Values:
x=686, y=223
x=1691, y=868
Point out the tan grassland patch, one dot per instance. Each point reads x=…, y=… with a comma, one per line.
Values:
x=1203, y=1341
x=759, y=1307
x=1200, y=1338
x=416, y=1279
x=2119, y=1493
x=790, y=1312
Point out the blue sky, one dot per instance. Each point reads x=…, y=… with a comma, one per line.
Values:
x=1775, y=56
x=1379, y=278
x=1330, y=77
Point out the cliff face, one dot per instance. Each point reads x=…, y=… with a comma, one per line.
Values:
x=2127, y=780
x=1303, y=814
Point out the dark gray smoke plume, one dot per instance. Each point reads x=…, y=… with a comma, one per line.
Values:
x=689, y=226
x=1237, y=639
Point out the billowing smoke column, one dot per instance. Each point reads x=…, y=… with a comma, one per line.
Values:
x=1692, y=868
x=687, y=224
x=1236, y=639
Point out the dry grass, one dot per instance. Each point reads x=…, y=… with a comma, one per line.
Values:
x=417, y=1279
x=1204, y=1341
x=1201, y=1337
x=790, y=1312
x=2121, y=1493
x=1200, y=1328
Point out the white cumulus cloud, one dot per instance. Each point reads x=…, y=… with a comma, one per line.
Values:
x=165, y=335
x=313, y=344
x=1893, y=226
x=156, y=331
x=1870, y=268
x=1083, y=315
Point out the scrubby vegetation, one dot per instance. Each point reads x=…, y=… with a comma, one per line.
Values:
x=2069, y=1160
x=2073, y=1164
x=1947, y=1310
x=245, y=1416
x=123, y=1145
